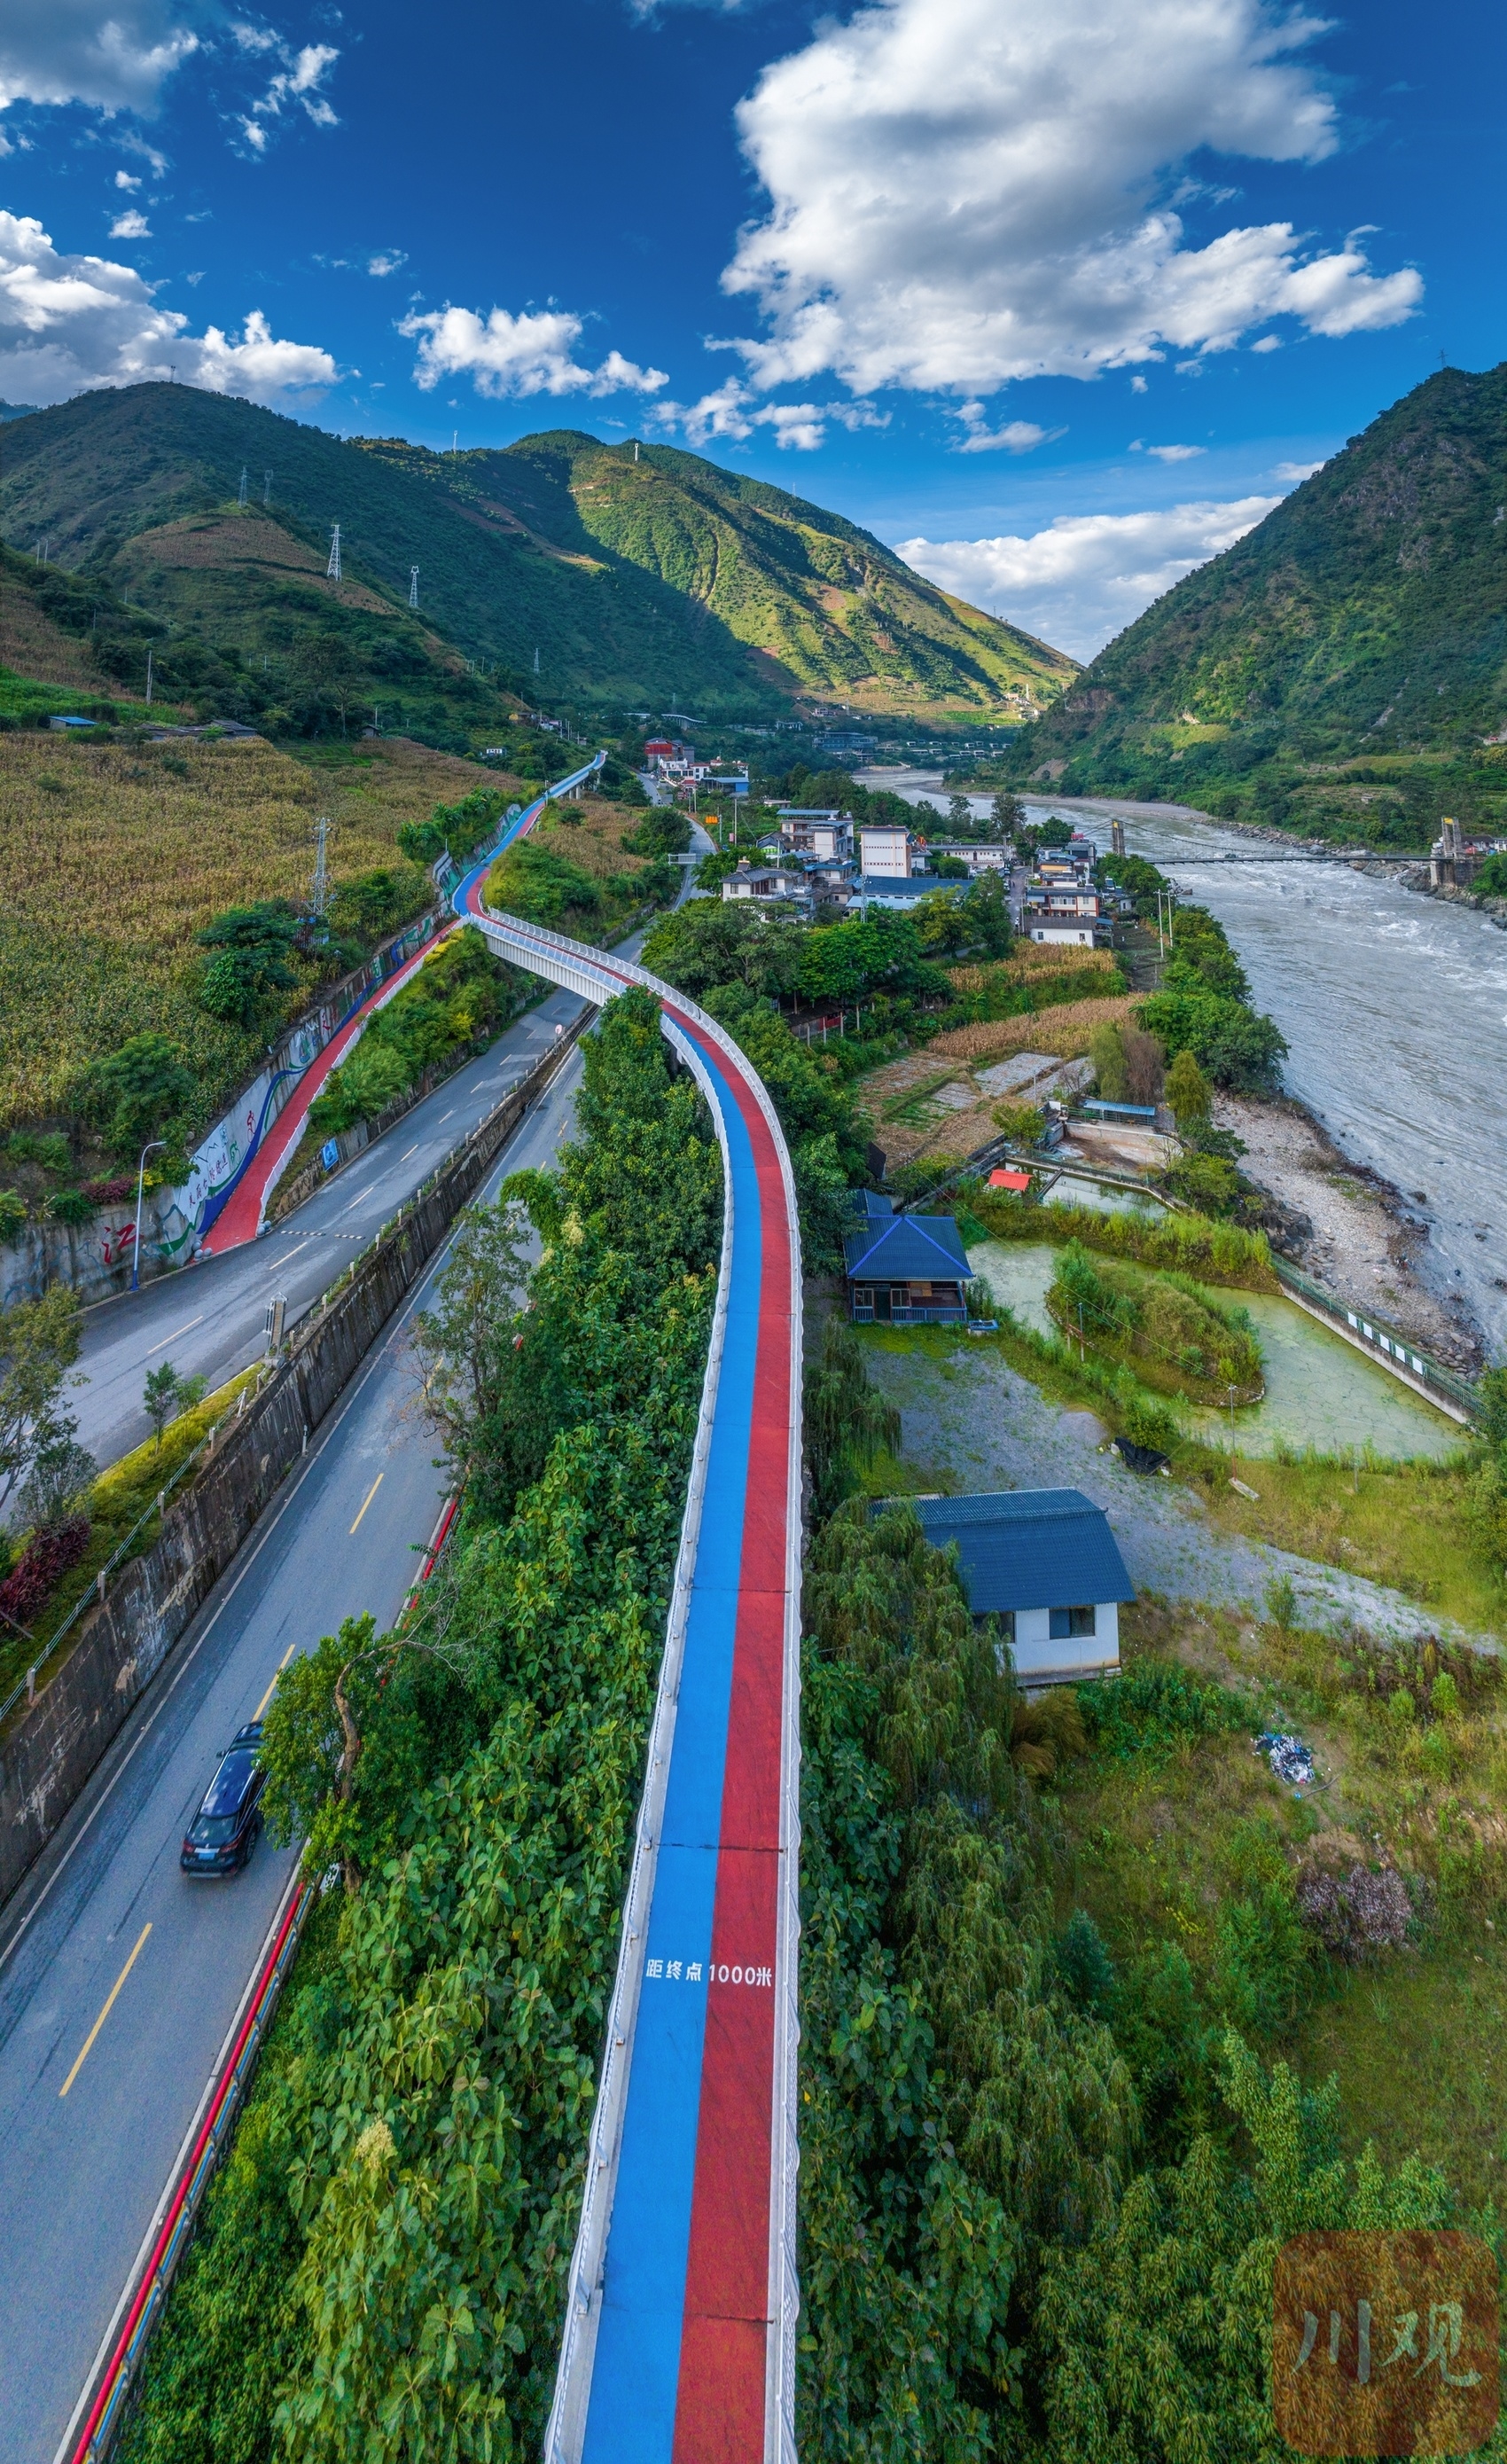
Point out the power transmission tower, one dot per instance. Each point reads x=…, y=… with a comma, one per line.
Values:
x=148, y=679
x=635, y=449
x=332, y=571
x=413, y=586
x=319, y=886
x=241, y=496
x=535, y=663
x=267, y=487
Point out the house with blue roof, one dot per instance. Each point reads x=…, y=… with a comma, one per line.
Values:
x=906, y=1270
x=1045, y=1563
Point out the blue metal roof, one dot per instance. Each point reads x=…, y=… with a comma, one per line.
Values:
x=909, y=1247
x=1029, y=1547
x=869, y=1202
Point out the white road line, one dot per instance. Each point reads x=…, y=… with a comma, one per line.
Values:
x=297, y=1473
x=279, y=1264
x=446, y=1116
x=173, y=1337
x=412, y=1150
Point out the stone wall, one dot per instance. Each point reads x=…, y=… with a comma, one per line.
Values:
x=53, y=1743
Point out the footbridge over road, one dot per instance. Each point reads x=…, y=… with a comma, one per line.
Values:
x=680, y=2328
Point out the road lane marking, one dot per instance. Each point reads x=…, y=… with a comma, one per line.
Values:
x=412, y=1150
x=367, y=1499
x=277, y=1673
x=446, y=1116
x=248, y=1559
x=279, y=1264
x=359, y=1199
x=88, y=2044
x=173, y=1337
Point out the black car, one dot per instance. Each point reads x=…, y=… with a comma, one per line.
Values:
x=222, y=1832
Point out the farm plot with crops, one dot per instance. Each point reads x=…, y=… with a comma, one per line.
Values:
x=115, y=856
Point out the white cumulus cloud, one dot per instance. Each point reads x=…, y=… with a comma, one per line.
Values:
x=74, y=51
x=294, y=86
x=1017, y=436
x=71, y=323
x=963, y=194
x=130, y=226
x=1293, y=473
x=735, y=411
x=1088, y=575
x=1176, y=453
x=505, y=355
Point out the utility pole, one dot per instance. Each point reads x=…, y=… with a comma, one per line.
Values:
x=332, y=571
x=319, y=886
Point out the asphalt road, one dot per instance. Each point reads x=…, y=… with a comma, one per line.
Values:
x=211, y=1318
x=89, y=2123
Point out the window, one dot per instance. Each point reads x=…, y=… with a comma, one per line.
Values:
x=1066, y=1623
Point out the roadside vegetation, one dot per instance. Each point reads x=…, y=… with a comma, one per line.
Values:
x=413, y=2146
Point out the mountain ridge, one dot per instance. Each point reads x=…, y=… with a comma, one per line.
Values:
x=663, y=580
x=1361, y=625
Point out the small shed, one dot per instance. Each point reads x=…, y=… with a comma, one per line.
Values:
x=1045, y=1563
x=907, y=1270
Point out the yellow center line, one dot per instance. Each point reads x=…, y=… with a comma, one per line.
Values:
x=277, y=1673
x=370, y=1494
x=115, y=1989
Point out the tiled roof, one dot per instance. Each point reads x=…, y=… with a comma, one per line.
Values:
x=907, y=1247
x=1029, y=1547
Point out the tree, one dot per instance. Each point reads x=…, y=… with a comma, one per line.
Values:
x=985, y=912
x=1187, y=1090
x=466, y=1341
x=166, y=1395
x=141, y=1092
x=58, y=1488
x=725, y=941
x=1004, y=816
x=252, y=946
x=38, y=1345
x=960, y=815
x=1107, y=1053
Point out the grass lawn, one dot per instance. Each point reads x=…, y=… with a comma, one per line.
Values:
x=118, y=1500
x=1163, y=1847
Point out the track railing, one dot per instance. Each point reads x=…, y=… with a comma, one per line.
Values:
x=679, y=2336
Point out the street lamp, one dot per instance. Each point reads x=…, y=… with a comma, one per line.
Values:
x=135, y=1245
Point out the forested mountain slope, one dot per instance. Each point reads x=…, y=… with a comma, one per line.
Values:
x=1340, y=665
x=664, y=583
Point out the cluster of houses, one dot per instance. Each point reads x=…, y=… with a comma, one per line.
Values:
x=1454, y=860
x=822, y=857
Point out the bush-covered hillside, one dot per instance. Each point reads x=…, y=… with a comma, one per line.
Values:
x=1342, y=667
x=664, y=581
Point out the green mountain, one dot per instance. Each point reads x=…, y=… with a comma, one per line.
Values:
x=1341, y=668
x=566, y=571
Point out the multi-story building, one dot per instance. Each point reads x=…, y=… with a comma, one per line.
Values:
x=888, y=853
x=814, y=831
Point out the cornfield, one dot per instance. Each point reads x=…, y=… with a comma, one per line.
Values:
x=1066, y=1030
x=112, y=856
x=1029, y=960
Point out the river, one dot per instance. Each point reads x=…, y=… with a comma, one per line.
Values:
x=1394, y=1007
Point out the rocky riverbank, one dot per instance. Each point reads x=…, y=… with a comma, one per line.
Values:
x=1346, y=1226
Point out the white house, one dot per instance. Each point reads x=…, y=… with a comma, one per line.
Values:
x=766, y=881
x=886, y=855
x=979, y=855
x=1078, y=934
x=1045, y=1563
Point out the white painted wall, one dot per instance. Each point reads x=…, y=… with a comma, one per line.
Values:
x=1040, y=1660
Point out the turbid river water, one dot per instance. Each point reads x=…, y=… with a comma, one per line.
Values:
x=1394, y=1007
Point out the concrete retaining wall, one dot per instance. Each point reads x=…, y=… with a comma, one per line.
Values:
x=54, y=1744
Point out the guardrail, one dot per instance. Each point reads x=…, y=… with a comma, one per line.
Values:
x=682, y=2301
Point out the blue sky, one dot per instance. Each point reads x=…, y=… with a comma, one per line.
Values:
x=1057, y=301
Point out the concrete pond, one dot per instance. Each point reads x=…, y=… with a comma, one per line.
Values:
x=1320, y=1391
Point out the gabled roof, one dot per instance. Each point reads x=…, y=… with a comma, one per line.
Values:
x=1029, y=1547
x=908, y=1246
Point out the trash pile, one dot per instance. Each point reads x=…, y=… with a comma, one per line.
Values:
x=1290, y=1759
